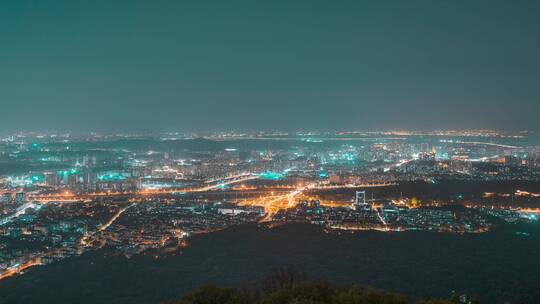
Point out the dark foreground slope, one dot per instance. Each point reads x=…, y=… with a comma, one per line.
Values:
x=307, y=293
x=499, y=267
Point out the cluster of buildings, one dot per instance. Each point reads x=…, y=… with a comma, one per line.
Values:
x=388, y=216
x=63, y=195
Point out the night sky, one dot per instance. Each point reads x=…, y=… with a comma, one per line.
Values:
x=269, y=65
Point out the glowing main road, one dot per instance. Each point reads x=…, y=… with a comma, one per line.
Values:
x=20, y=267
x=69, y=197
x=20, y=211
x=237, y=176
x=273, y=204
x=85, y=240
x=114, y=218
x=346, y=186
x=487, y=144
x=221, y=185
x=381, y=218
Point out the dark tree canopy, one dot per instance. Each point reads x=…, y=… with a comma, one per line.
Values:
x=305, y=293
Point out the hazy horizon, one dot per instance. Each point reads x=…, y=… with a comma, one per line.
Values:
x=237, y=65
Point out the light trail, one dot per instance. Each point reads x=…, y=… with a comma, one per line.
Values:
x=381, y=218
x=486, y=144
x=36, y=261
x=20, y=211
x=280, y=202
x=530, y=210
x=114, y=218
x=399, y=164
x=70, y=198
x=222, y=184
x=484, y=159
x=368, y=185
x=241, y=175
x=47, y=198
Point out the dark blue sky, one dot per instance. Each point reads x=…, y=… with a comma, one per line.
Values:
x=285, y=65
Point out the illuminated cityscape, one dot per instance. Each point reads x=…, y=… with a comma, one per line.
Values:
x=270, y=152
x=63, y=195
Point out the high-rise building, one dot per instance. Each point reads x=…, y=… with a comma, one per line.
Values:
x=51, y=179
x=89, y=178
x=72, y=179
x=85, y=160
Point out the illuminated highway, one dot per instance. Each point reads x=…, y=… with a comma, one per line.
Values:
x=487, y=144
x=20, y=211
x=399, y=164
x=237, y=176
x=381, y=218
x=20, y=267
x=69, y=197
x=346, y=186
x=272, y=204
x=222, y=184
x=114, y=218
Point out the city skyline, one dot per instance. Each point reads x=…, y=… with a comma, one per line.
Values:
x=68, y=198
